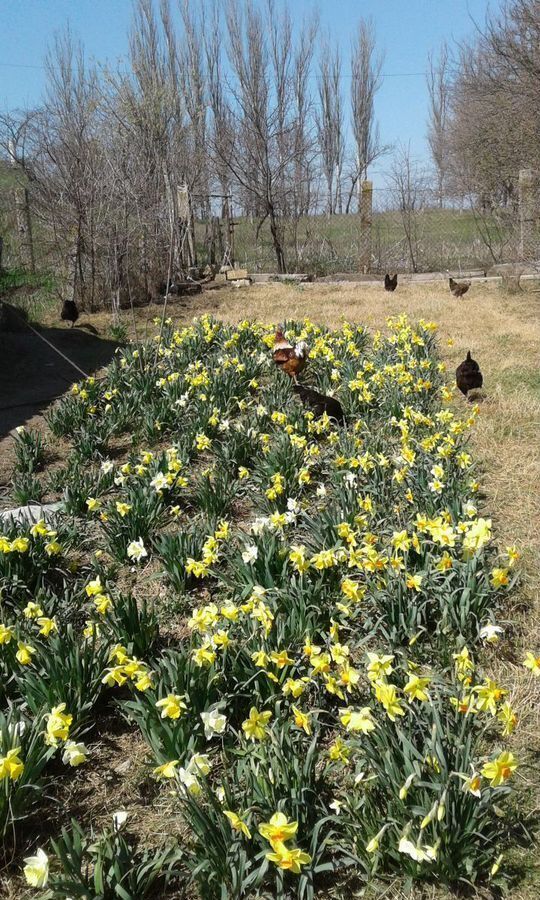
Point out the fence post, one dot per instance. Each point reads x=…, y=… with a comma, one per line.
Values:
x=527, y=214
x=186, y=224
x=366, y=210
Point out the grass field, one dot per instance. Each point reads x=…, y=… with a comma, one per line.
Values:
x=503, y=333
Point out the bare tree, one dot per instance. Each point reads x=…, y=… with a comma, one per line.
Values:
x=366, y=66
x=304, y=143
x=330, y=124
x=495, y=129
x=408, y=185
x=439, y=111
x=67, y=161
x=265, y=147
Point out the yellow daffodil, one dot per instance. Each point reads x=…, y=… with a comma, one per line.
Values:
x=167, y=770
x=358, y=719
x=500, y=769
x=415, y=689
x=291, y=860
x=237, y=823
x=24, y=653
x=58, y=723
x=11, y=765
x=278, y=829
x=301, y=719
x=532, y=663
x=172, y=706
x=255, y=727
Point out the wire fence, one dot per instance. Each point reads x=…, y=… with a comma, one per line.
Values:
x=407, y=233
x=421, y=235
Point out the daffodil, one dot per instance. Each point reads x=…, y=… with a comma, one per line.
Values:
x=499, y=577
x=490, y=633
x=46, y=625
x=36, y=870
x=255, y=727
x=278, y=829
x=472, y=784
x=58, y=723
x=214, y=722
x=379, y=666
x=291, y=860
x=339, y=752
x=136, y=550
x=500, y=769
x=358, y=719
x=11, y=765
x=32, y=610
x=281, y=659
x=6, y=633
x=415, y=689
x=386, y=695
x=172, y=706
x=74, y=754
x=532, y=663
x=167, y=770
x=488, y=695
x=237, y=823
x=301, y=719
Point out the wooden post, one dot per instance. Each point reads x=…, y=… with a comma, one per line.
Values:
x=366, y=215
x=186, y=226
x=527, y=214
x=229, y=228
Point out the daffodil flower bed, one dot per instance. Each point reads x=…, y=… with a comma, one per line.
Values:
x=325, y=710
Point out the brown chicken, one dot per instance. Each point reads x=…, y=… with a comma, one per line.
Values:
x=468, y=375
x=288, y=358
x=390, y=282
x=459, y=288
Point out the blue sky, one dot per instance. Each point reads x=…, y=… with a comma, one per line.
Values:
x=406, y=30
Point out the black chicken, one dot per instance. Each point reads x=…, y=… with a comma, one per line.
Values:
x=320, y=403
x=459, y=288
x=69, y=313
x=390, y=282
x=468, y=375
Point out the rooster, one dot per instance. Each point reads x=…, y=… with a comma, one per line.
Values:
x=390, y=282
x=288, y=358
x=69, y=312
x=459, y=288
x=468, y=375
x=320, y=403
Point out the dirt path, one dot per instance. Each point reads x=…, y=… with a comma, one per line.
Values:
x=33, y=375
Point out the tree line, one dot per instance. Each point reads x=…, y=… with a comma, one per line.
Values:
x=242, y=107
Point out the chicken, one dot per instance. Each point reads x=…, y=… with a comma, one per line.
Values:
x=320, y=403
x=69, y=313
x=390, y=282
x=459, y=288
x=288, y=358
x=468, y=375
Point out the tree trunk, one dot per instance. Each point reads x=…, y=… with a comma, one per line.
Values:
x=276, y=240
